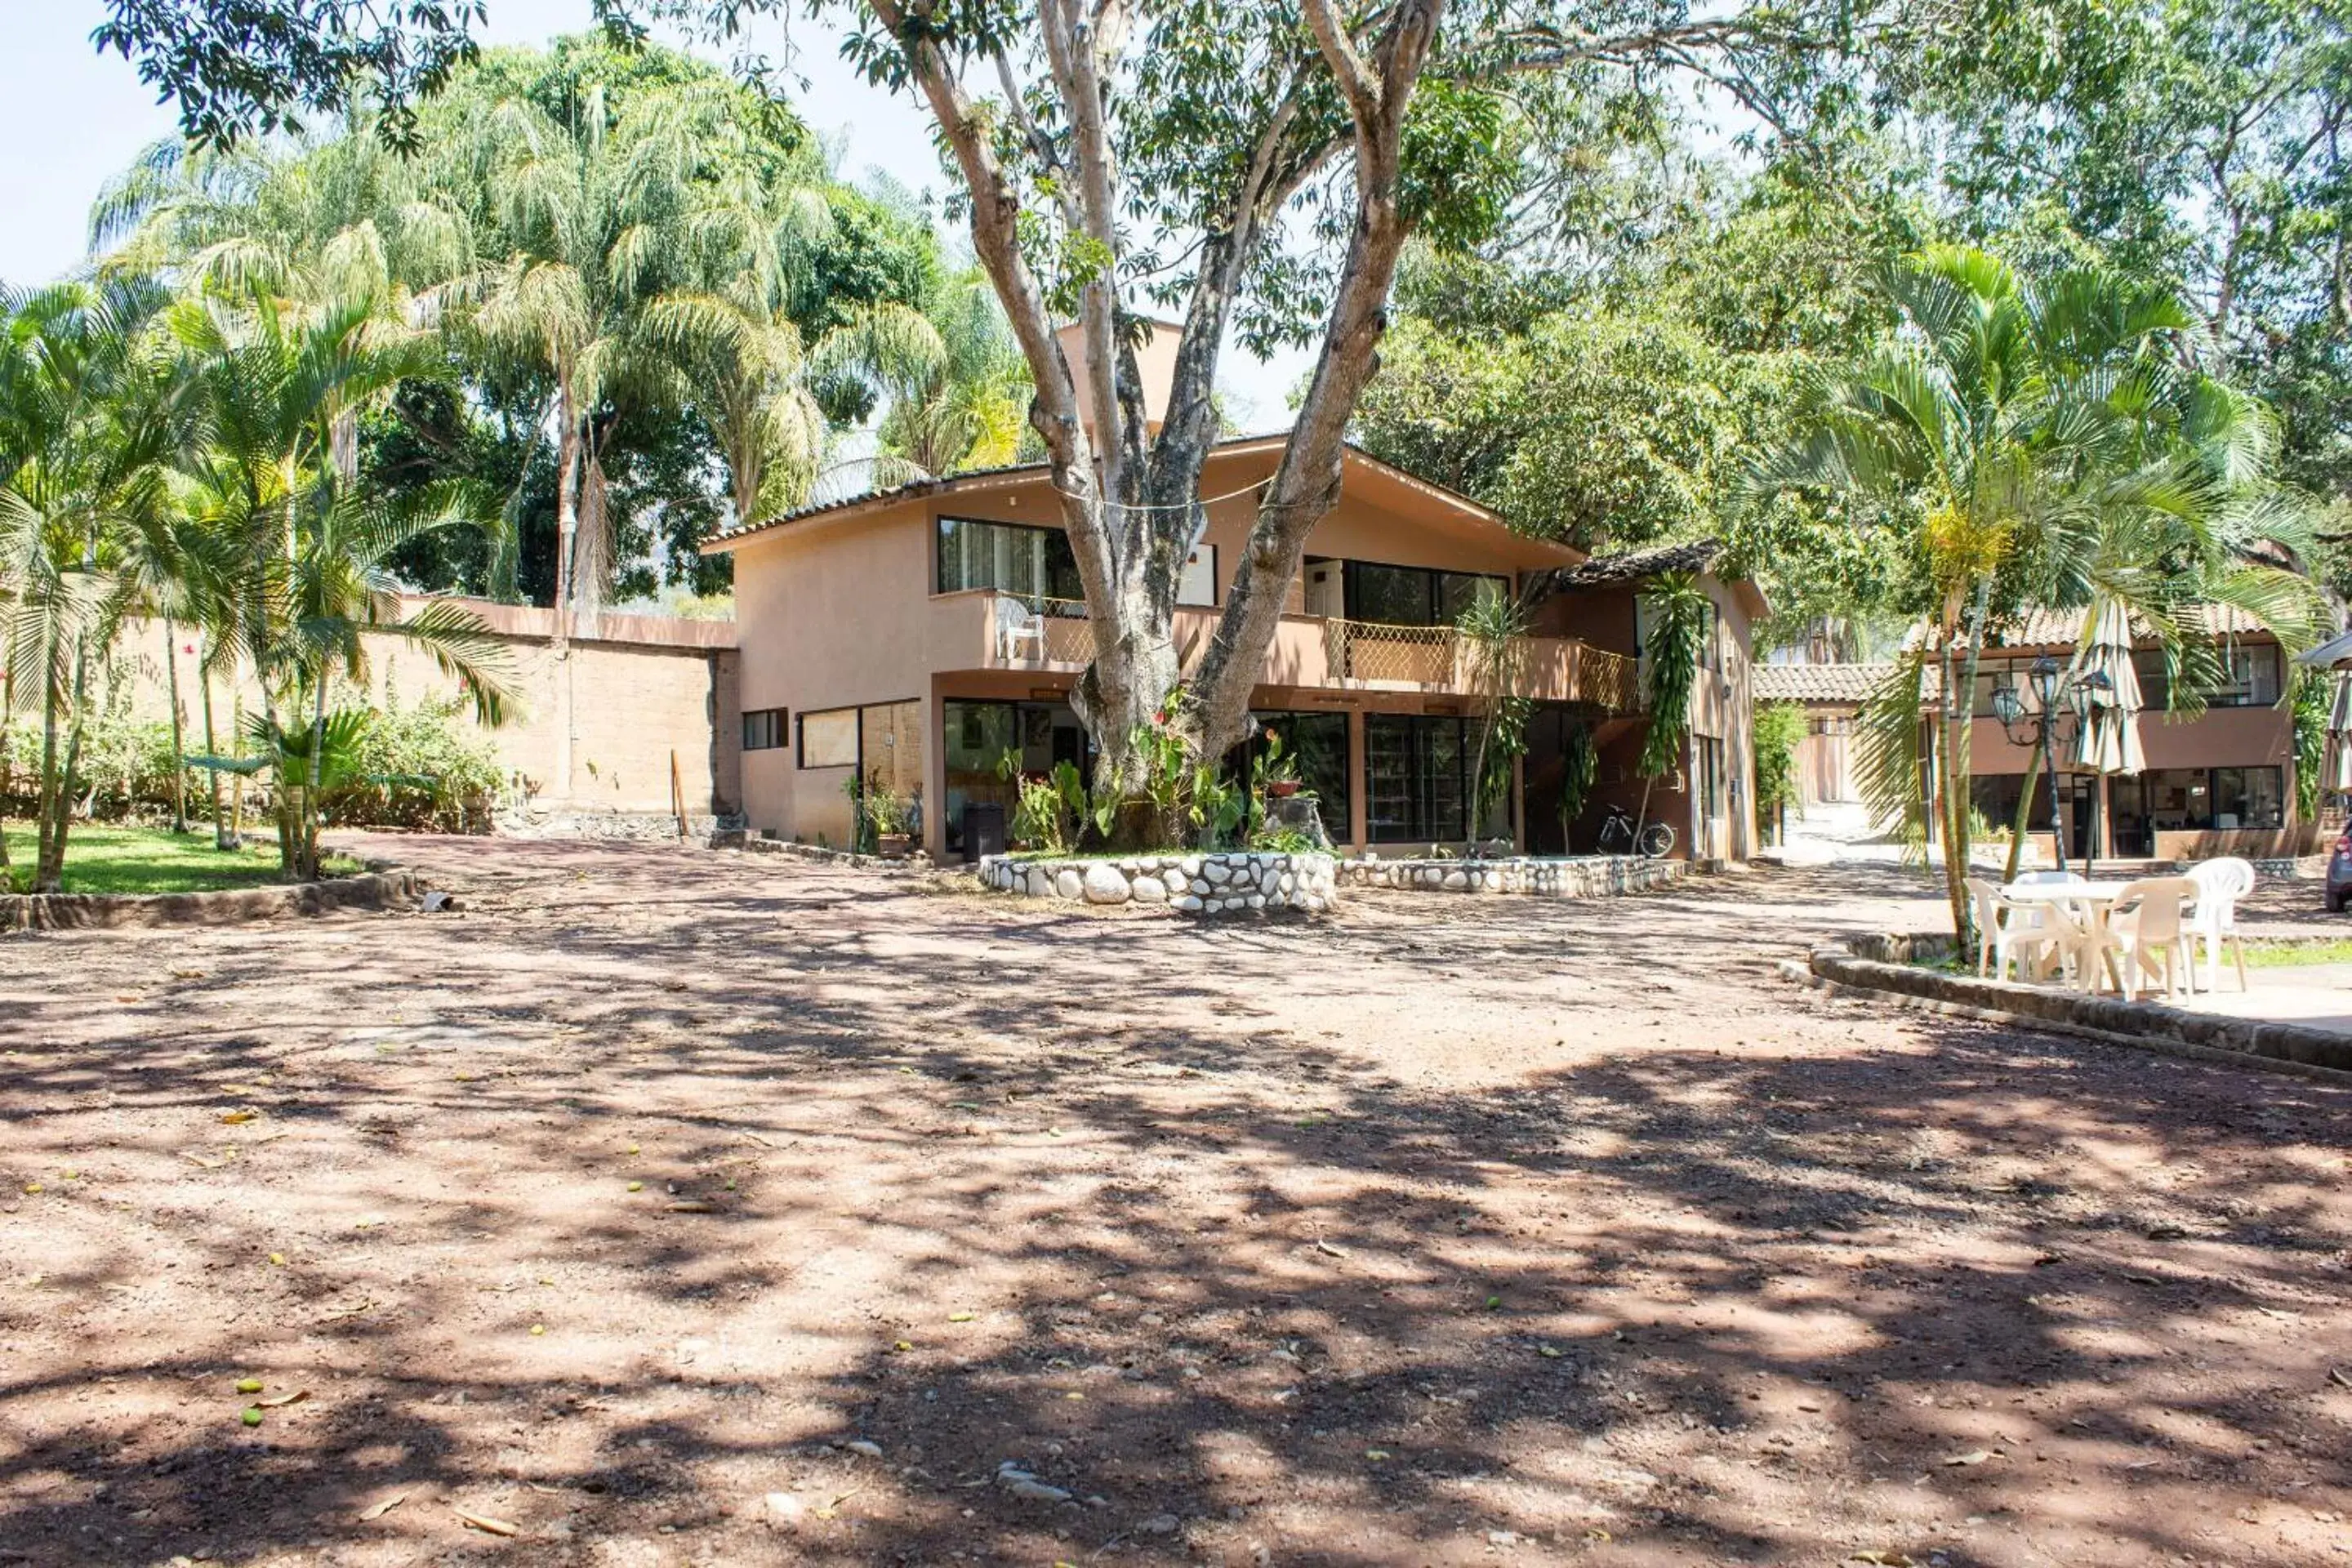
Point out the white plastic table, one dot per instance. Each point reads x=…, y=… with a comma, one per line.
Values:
x=2092, y=899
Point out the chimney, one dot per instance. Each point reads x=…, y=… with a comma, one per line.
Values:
x=1155, y=363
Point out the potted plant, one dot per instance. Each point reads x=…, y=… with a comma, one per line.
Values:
x=887, y=814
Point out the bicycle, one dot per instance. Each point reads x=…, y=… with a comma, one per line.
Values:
x=1651, y=840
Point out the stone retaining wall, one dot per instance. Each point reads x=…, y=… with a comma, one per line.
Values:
x=1579, y=877
x=2174, y=1030
x=1211, y=884
x=736, y=839
x=390, y=887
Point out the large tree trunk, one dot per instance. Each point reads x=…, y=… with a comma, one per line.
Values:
x=1133, y=516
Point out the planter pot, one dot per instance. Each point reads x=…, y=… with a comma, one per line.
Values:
x=1282, y=789
x=893, y=845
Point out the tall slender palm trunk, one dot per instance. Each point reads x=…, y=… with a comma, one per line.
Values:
x=222, y=836
x=179, y=729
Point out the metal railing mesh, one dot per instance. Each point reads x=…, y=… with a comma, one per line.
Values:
x=1437, y=657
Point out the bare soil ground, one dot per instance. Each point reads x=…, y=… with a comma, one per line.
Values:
x=669, y=1207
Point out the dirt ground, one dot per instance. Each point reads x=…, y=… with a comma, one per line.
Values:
x=669, y=1207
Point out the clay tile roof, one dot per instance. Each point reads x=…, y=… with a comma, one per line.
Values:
x=1819, y=682
x=2038, y=628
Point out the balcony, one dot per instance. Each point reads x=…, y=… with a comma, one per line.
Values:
x=987, y=630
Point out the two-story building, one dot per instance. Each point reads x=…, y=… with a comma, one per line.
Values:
x=914, y=637
x=2217, y=782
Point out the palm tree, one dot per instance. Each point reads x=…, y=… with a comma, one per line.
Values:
x=1986, y=422
x=953, y=388
x=91, y=409
x=589, y=219
x=304, y=553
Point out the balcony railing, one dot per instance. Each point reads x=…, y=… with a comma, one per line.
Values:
x=1026, y=632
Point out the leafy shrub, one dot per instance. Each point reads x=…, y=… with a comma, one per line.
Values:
x=1779, y=730
x=417, y=767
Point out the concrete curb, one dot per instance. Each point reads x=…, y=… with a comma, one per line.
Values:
x=382, y=887
x=2298, y=1049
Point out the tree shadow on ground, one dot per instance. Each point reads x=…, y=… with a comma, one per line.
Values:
x=1104, y=1200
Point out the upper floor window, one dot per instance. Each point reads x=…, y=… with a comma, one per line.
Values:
x=1010, y=557
x=1415, y=596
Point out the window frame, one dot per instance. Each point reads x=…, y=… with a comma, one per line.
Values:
x=779, y=730
x=939, y=536
x=1432, y=593
x=856, y=713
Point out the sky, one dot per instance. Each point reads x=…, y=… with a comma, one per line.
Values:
x=74, y=119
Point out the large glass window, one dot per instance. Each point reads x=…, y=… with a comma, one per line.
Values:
x=1414, y=596
x=829, y=740
x=1317, y=744
x=2248, y=798
x=979, y=734
x=1417, y=785
x=1012, y=558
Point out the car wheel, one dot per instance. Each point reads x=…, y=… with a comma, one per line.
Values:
x=2334, y=903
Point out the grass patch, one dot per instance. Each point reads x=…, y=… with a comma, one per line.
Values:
x=2287, y=954
x=153, y=860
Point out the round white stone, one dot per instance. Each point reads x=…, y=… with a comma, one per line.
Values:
x=1149, y=890
x=1068, y=884
x=1106, y=884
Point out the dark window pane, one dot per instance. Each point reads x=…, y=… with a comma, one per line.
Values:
x=1457, y=590
x=1317, y=743
x=1388, y=595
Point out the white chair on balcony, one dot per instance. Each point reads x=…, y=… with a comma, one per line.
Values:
x=2219, y=885
x=1018, y=624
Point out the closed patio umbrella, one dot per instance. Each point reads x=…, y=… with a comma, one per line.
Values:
x=2108, y=740
x=2336, y=776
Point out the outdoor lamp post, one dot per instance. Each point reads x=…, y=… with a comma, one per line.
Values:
x=2061, y=708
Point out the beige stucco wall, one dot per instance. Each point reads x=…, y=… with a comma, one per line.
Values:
x=837, y=611
x=592, y=731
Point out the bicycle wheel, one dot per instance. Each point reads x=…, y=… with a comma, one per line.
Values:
x=1656, y=841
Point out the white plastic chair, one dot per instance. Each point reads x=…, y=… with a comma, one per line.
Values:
x=1017, y=624
x=2221, y=883
x=2007, y=932
x=2149, y=931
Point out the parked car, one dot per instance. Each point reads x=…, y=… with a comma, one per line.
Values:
x=2340, y=873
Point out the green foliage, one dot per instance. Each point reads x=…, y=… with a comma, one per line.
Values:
x=1581, y=763
x=417, y=767
x=1676, y=614
x=1614, y=431
x=1779, y=730
x=1052, y=815
x=2313, y=696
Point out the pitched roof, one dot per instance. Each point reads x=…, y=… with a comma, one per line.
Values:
x=727, y=539
x=1819, y=682
x=2041, y=627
